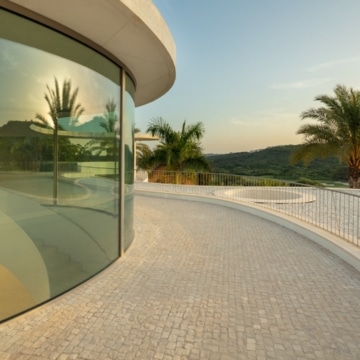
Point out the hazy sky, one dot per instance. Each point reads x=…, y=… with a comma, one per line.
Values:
x=27, y=72
x=248, y=68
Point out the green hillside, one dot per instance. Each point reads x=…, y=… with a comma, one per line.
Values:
x=273, y=162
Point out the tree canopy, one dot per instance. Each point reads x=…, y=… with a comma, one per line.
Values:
x=177, y=150
x=336, y=131
x=62, y=104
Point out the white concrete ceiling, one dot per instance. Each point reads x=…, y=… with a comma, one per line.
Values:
x=131, y=30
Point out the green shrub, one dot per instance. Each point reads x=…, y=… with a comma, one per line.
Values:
x=306, y=181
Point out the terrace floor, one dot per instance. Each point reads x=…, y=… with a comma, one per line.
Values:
x=201, y=281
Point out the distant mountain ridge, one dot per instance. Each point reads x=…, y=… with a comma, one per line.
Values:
x=274, y=162
x=94, y=125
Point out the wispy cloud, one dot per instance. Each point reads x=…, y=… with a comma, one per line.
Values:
x=302, y=84
x=9, y=61
x=334, y=63
x=243, y=122
x=265, y=118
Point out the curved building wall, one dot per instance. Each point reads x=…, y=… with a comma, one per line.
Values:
x=66, y=163
x=129, y=144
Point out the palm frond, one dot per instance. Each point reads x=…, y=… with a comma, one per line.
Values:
x=62, y=102
x=337, y=131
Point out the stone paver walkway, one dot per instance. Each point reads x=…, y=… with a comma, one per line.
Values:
x=201, y=281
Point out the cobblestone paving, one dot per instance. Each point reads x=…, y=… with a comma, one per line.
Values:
x=201, y=281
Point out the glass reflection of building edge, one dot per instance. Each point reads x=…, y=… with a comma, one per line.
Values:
x=66, y=183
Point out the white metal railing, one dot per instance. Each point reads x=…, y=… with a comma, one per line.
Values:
x=334, y=210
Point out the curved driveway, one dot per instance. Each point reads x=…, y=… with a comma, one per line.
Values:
x=201, y=281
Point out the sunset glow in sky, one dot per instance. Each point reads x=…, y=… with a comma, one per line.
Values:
x=247, y=69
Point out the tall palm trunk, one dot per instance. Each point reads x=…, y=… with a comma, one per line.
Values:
x=354, y=169
x=354, y=177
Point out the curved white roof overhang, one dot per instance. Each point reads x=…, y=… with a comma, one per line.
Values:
x=131, y=32
x=145, y=137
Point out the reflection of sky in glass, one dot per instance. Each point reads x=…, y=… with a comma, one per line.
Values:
x=25, y=72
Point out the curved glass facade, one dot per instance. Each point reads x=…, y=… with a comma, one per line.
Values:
x=61, y=111
x=129, y=152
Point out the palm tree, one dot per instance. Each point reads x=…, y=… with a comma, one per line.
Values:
x=178, y=150
x=337, y=132
x=62, y=104
x=110, y=124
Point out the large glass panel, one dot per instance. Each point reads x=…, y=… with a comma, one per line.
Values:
x=129, y=160
x=59, y=142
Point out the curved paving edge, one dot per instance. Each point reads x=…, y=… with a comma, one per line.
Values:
x=201, y=281
x=344, y=250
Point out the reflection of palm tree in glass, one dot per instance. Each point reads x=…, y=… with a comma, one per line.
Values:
x=62, y=104
x=110, y=124
x=111, y=118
